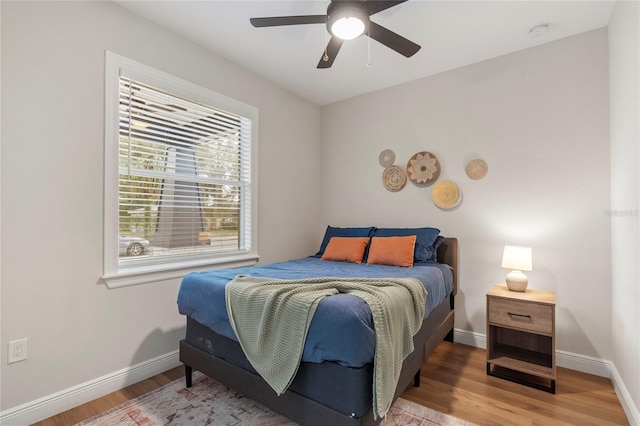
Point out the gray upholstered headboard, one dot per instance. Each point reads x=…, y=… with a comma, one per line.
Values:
x=448, y=253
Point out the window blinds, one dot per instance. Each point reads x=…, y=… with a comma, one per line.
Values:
x=184, y=174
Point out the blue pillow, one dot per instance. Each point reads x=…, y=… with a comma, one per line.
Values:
x=343, y=232
x=432, y=251
x=425, y=240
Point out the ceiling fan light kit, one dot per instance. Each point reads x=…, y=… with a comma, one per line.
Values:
x=347, y=20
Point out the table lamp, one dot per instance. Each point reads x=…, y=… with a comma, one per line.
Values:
x=517, y=259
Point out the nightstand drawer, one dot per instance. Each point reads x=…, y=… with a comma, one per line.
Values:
x=528, y=316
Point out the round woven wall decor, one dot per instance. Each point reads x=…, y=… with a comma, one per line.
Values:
x=394, y=178
x=387, y=157
x=423, y=168
x=476, y=169
x=445, y=194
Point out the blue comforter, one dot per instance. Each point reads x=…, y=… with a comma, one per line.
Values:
x=341, y=329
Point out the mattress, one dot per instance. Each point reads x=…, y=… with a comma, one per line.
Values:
x=342, y=328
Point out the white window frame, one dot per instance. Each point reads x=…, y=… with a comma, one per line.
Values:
x=118, y=275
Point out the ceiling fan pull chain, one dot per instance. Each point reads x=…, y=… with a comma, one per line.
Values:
x=326, y=56
x=369, y=49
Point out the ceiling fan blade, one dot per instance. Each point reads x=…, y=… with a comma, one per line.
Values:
x=331, y=52
x=277, y=21
x=392, y=40
x=373, y=6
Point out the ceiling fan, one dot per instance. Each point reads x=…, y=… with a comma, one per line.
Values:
x=346, y=20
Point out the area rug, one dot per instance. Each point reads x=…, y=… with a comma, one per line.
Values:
x=208, y=402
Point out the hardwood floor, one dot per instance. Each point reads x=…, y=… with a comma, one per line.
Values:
x=113, y=399
x=454, y=381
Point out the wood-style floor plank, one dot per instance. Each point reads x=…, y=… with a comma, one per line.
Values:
x=453, y=381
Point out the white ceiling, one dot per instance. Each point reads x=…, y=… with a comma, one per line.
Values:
x=452, y=34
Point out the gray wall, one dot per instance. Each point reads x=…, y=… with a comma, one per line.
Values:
x=624, y=75
x=540, y=119
x=52, y=190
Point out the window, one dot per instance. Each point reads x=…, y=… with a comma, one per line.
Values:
x=179, y=182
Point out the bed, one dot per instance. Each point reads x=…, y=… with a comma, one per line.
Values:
x=333, y=384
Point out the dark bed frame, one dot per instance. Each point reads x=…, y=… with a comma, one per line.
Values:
x=305, y=402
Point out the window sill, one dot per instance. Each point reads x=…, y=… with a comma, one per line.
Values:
x=154, y=273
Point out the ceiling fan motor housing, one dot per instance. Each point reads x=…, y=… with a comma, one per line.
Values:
x=341, y=10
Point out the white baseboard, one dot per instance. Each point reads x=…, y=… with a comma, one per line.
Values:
x=470, y=338
x=64, y=400
x=572, y=361
x=633, y=415
x=584, y=363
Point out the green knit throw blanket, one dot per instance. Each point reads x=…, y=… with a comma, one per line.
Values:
x=271, y=318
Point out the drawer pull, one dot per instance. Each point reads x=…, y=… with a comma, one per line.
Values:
x=518, y=315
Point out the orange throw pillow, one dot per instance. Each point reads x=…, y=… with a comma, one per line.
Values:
x=346, y=249
x=394, y=251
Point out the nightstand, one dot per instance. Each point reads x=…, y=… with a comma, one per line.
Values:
x=521, y=342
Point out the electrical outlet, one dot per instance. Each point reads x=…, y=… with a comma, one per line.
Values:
x=17, y=350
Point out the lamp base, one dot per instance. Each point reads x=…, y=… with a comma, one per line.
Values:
x=517, y=281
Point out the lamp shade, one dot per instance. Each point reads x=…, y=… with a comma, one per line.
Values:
x=517, y=258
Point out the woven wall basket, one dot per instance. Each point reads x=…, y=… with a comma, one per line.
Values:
x=394, y=178
x=476, y=169
x=446, y=194
x=386, y=158
x=423, y=168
